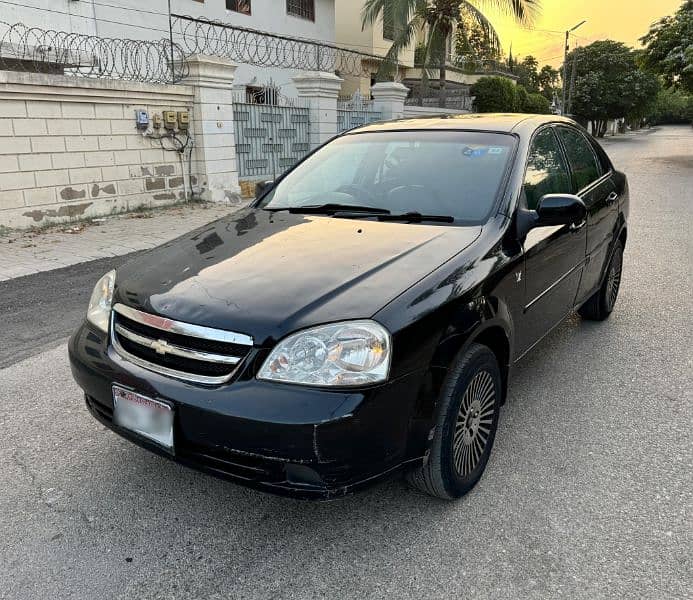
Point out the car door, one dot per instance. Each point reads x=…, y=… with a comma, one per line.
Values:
x=592, y=181
x=554, y=256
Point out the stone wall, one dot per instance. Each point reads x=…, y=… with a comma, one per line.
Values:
x=69, y=148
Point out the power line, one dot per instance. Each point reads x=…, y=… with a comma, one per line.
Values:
x=60, y=12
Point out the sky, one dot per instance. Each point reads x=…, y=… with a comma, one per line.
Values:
x=621, y=20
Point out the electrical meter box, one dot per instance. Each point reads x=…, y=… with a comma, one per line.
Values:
x=170, y=119
x=184, y=120
x=142, y=118
x=156, y=122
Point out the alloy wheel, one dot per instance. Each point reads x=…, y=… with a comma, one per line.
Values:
x=614, y=280
x=474, y=423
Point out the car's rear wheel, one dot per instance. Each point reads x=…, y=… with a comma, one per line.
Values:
x=466, y=428
x=602, y=303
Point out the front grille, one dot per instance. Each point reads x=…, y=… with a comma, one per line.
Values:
x=180, y=350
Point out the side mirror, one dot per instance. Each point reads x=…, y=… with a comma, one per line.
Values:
x=553, y=209
x=262, y=187
x=560, y=209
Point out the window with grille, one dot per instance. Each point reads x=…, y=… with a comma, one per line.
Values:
x=301, y=8
x=388, y=23
x=392, y=25
x=241, y=6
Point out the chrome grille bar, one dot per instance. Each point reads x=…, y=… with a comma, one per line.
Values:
x=163, y=347
x=198, y=331
x=173, y=373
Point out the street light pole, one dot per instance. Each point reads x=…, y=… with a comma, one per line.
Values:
x=565, y=60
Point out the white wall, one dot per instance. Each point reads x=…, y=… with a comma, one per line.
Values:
x=148, y=20
x=69, y=148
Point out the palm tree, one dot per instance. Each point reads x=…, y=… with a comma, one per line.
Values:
x=437, y=19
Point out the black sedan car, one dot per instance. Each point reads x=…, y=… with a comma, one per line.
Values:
x=363, y=316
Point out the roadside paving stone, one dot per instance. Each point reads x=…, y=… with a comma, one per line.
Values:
x=27, y=252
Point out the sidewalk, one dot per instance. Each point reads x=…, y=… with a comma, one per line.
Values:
x=28, y=252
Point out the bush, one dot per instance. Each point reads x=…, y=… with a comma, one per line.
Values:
x=537, y=104
x=494, y=94
x=521, y=99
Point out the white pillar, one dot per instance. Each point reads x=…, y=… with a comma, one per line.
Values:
x=389, y=98
x=212, y=127
x=321, y=91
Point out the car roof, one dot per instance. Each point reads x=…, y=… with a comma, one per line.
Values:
x=505, y=123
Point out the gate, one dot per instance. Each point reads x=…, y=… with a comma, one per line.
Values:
x=272, y=133
x=354, y=111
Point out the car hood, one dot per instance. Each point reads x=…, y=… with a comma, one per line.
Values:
x=266, y=274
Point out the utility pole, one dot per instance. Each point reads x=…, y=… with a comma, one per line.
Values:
x=572, y=82
x=565, y=60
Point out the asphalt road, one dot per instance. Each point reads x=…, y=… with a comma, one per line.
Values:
x=588, y=493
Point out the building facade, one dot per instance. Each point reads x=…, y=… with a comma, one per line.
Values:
x=377, y=38
x=134, y=19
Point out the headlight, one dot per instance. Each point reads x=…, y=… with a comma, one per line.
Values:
x=99, y=310
x=344, y=354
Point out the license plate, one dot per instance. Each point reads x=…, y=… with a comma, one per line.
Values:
x=147, y=417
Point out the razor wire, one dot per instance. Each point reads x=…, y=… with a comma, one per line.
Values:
x=198, y=35
x=33, y=49
x=38, y=50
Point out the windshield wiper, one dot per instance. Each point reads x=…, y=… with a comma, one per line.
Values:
x=410, y=217
x=331, y=208
x=417, y=217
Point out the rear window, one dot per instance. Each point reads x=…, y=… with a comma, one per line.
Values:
x=451, y=173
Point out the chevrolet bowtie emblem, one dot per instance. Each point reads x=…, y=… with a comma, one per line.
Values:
x=160, y=346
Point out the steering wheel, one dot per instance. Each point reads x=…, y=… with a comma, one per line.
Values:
x=357, y=191
x=410, y=197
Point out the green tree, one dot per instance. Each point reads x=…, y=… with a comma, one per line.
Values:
x=672, y=105
x=494, y=94
x=609, y=84
x=669, y=48
x=437, y=20
x=547, y=80
x=528, y=74
x=474, y=44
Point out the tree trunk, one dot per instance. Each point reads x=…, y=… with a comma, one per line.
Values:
x=443, y=89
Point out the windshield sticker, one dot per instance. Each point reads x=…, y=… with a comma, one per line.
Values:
x=474, y=152
x=496, y=150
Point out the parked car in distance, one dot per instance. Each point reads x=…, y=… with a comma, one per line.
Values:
x=363, y=316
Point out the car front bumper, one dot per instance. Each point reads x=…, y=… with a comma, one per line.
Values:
x=285, y=439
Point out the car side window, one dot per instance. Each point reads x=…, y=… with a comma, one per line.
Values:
x=603, y=159
x=546, y=170
x=581, y=157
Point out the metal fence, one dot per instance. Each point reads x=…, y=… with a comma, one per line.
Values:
x=451, y=102
x=355, y=111
x=59, y=52
x=270, y=137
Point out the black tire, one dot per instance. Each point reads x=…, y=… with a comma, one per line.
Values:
x=447, y=473
x=602, y=303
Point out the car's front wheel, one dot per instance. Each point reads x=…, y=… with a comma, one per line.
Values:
x=469, y=405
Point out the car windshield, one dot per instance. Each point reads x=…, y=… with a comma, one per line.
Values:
x=454, y=173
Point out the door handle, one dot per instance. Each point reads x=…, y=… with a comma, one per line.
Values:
x=612, y=197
